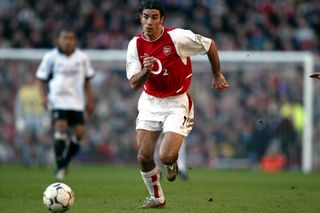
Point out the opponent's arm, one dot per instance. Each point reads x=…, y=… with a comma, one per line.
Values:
x=218, y=81
x=89, y=96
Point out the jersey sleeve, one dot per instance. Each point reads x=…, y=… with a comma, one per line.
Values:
x=133, y=64
x=88, y=68
x=188, y=43
x=44, y=68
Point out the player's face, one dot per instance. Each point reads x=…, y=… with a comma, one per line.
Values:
x=151, y=23
x=67, y=41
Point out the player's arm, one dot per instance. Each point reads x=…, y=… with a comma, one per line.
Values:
x=218, y=81
x=138, y=79
x=89, y=96
x=188, y=44
x=43, y=74
x=88, y=88
x=137, y=72
x=315, y=75
x=43, y=91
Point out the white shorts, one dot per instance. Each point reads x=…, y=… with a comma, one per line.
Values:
x=172, y=114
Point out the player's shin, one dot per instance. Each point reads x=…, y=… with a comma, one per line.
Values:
x=152, y=182
x=72, y=151
x=60, y=140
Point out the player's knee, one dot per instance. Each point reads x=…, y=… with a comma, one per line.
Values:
x=168, y=159
x=144, y=159
x=58, y=135
x=78, y=137
x=61, y=126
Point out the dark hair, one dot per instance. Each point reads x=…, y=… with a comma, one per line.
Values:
x=151, y=4
x=66, y=28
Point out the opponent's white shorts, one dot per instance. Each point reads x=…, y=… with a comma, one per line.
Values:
x=172, y=114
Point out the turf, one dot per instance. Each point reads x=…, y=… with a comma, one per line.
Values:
x=104, y=189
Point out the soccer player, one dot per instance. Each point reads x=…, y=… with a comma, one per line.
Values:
x=158, y=60
x=32, y=124
x=65, y=87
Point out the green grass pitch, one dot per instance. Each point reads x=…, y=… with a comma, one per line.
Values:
x=106, y=188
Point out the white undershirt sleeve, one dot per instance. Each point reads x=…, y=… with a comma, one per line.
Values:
x=133, y=64
x=88, y=68
x=188, y=43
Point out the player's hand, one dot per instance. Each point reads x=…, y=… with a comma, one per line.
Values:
x=148, y=62
x=90, y=107
x=219, y=82
x=315, y=75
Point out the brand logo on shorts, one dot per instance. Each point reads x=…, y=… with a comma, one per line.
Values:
x=167, y=50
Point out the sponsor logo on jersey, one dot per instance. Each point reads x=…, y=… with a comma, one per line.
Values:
x=156, y=72
x=167, y=50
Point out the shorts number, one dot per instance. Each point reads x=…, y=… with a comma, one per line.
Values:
x=184, y=120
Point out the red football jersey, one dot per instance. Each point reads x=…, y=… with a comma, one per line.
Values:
x=174, y=78
x=172, y=71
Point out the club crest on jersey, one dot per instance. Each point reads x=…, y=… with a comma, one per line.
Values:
x=167, y=50
x=198, y=38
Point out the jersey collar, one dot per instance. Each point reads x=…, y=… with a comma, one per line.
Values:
x=155, y=39
x=63, y=53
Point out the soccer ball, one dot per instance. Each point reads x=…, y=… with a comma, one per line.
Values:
x=58, y=197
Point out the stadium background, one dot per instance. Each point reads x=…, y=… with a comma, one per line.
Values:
x=261, y=102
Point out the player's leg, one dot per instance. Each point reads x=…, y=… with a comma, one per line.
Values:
x=176, y=127
x=146, y=141
x=182, y=161
x=149, y=126
x=168, y=153
x=76, y=121
x=78, y=133
x=41, y=148
x=60, y=143
x=24, y=145
x=146, y=145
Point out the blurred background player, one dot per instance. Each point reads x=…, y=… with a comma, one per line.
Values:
x=65, y=87
x=32, y=124
x=158, y=61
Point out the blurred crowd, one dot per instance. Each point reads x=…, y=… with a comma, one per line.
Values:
x=107, y=24
x=247, y=122
x=261, y=115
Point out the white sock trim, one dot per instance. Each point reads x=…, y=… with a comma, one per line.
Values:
x=152, y=182
x=60, y=136
x=150, y=173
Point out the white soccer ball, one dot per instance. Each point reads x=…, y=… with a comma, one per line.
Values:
x=58, y=197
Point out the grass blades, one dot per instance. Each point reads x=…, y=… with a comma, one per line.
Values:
x=116, y=189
